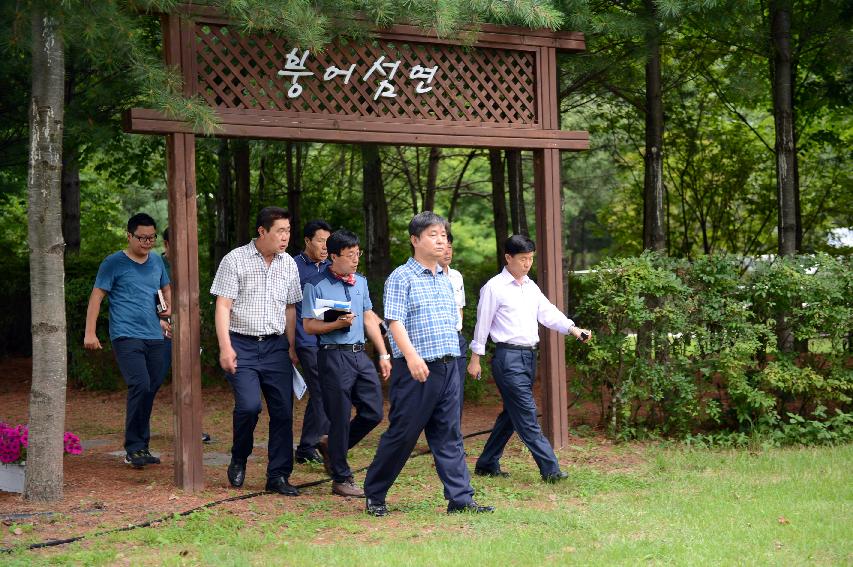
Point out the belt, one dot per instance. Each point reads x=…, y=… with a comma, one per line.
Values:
x=516, y=347
x=258, y=338
x=357, y=347
x=445, y=358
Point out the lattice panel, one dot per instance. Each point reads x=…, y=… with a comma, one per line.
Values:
x=480, y=85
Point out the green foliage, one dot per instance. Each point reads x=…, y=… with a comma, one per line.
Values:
x=681, y=345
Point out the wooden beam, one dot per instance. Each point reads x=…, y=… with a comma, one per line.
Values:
x=278, y=126
x=186, y=333
x=549, y=264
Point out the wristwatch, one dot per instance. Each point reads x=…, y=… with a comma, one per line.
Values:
x=384, y=357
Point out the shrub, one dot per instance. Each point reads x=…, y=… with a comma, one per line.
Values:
x=685, y=346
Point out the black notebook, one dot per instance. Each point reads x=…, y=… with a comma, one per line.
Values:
x=333, y=314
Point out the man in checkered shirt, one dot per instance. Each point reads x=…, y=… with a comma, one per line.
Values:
x=257, y=287
x=421, y=312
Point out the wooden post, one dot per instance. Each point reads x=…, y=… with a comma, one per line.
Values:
x=549, y=229
x=183, y=222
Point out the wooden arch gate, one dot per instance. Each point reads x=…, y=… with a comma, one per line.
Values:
x=402, y=86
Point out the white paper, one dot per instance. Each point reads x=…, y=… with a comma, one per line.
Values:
x=299, y=386
x=323, y=305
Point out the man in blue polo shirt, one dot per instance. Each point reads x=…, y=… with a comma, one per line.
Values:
x=311, y=261
x=422, y=315
x=131, y=279
x=347, y=375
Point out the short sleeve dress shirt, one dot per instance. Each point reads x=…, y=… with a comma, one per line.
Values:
x=424, y=303
x=260, y=292
x=326, y=286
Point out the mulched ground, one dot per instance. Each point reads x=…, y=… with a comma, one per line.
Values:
x=101, y=493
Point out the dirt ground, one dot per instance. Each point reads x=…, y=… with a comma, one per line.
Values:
x=102, y=493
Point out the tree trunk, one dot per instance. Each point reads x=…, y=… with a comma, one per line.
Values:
x=432, y=178
x=223, y=190
x=47, y=273
x=515, y=184
x=654, y=237
x=454, y=200
x=262, y=182
x=71, y=201
x=243, y=199
x=70, y=181
x=786, y=152
x=377, y=246
x=783, y=114
x=498, y=203
x=294, y=164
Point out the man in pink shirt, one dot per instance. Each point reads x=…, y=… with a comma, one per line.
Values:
x=510, y=309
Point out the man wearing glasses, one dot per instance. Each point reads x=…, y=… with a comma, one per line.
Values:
x=131, y=279
x=347, y=374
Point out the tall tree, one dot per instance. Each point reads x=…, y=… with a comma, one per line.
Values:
x=782, y=80
x=496, y=166
x=654, y=233
x=243, y=195
x=515, y=185
x=222, y=243
x=378, y=241
x=47, y=272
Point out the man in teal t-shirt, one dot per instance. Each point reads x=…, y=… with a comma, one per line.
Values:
x=131, y=279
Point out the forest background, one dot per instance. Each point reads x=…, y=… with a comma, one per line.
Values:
x=742, y=307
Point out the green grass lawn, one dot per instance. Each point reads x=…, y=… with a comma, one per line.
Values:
x=661, y=507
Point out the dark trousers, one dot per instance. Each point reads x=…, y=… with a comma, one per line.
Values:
x=315, y=424
x=348, y=379
x=462, y=361
x=263, y=366
x=167, y=357
x=514, y=372
x=141, y=364
x=432, y=407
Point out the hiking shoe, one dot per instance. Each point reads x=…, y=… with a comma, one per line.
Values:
x=149, y=458
x=136, y=459
x=347, y=489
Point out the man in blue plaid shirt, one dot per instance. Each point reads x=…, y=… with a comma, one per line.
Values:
x=421, y=312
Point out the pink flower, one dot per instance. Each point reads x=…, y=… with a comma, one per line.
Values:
x=72, y=444
x=14, y=442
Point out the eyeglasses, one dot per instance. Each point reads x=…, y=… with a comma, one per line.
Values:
x=353, y=255
x=145, y=238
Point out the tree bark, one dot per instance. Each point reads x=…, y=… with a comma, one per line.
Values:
x=654, y=236
x=432, y=178
x=377, y=233
x=498, y=203
x=223, y=190
x=47, y=272
x=294, y=163
x=71, y=201
x=70, y=180
x=515, y=184
x=243, y=198
x=783, y=114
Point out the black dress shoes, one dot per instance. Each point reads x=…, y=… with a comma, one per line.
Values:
x=281, y=485
x=471, y=507
x=375, y=508
x=309, y=456
x=236, y=474
x=555, y=477
x=493, y=473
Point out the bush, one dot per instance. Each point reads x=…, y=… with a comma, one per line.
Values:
x=683, y=346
